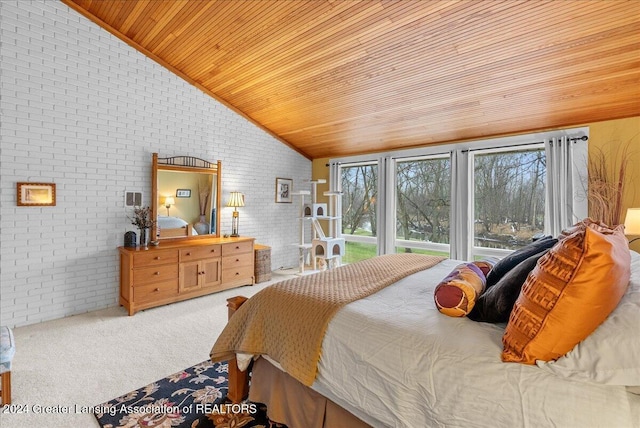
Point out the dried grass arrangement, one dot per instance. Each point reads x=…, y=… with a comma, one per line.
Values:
x=203, y=195
x=606, y=186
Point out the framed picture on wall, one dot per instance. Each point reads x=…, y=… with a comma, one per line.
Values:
x=36, y=194
x=284, y=187
x=183, y=193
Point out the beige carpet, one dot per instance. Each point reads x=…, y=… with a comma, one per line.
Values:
x=85, y=360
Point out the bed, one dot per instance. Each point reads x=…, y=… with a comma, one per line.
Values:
x=171, y=227
x=391, y=359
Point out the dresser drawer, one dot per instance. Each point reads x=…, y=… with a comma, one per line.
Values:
x=154, y=257
x=237, y=260
x=155, y=292
x=154, y=274
x=180, y=269
x=237, y=248
x=243, y=274
x=197, y=253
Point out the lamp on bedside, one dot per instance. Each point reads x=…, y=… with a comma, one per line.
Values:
x=168, y=201
x=632, y=223
x=236, y=199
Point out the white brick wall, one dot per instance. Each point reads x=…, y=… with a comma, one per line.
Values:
x=84, y=110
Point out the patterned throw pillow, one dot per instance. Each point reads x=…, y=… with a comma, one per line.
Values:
x=572, y=290
x=457, y=293
x=486, y=265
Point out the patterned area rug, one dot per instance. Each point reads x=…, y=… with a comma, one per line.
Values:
x=192, y=398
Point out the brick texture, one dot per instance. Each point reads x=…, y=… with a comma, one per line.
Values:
x=84, y=110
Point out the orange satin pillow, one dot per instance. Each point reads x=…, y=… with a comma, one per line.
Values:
x=570, y=292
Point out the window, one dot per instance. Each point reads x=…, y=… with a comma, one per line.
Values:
x=359, y=185
x=483, y=198
x=508, y=198
x=423, y=205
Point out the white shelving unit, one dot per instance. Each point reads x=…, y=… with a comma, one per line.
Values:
x=304, y=248
x=329, y=248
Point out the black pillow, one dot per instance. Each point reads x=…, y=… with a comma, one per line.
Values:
x=495, y=304
x=512, y=260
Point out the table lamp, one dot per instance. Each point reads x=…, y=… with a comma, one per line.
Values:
x=236, y=199
x=632, y=223
x=168, y=201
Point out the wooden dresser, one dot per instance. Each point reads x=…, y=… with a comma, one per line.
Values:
x=175, y=271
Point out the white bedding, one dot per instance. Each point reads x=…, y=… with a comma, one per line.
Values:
x=393, y=360
x=166, y=222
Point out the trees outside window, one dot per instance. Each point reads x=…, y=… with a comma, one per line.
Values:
x=359, y=211
x=466, y=200
x=508, y=198
x=507, y=189
x=423, y=202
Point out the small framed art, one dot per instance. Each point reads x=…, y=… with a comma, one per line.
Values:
x=284, y=187
x=183, y=193
x=36, y=194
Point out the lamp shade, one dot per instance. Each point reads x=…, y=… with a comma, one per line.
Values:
x=632, y=222
x=236, y=199
x=169, y=200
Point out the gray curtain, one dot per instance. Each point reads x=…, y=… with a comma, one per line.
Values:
x=461, y=236
x=566, y=183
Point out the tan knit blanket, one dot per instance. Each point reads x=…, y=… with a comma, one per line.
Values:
x=287, y=321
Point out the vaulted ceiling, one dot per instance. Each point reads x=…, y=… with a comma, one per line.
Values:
x=333, y=78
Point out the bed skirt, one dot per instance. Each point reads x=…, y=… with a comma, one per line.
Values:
x=291, y=403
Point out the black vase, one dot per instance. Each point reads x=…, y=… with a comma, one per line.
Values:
x=130, y=239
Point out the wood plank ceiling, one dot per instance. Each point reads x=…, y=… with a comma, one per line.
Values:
x=333, y=78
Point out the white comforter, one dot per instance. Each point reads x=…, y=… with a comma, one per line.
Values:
x=165, y=222
x=394, y=360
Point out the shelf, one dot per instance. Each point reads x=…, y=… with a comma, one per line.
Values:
x=307, y=246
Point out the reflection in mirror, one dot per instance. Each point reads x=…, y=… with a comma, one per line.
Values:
x=186, y=197
x=191, y=193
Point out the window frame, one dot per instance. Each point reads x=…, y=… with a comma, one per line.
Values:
x=392, y=215
x=461, y=242
x=476, y=251
x=336, y=185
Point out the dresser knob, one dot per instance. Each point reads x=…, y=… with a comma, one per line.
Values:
x=157, y=257
x=237, y=273
x=157, y=289
x=157, y=273
x=188, y=254
x=237, y=247
x=237, y=260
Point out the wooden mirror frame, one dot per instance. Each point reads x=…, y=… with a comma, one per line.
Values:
x=185, y=164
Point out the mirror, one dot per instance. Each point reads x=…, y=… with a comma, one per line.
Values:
x=185, y=197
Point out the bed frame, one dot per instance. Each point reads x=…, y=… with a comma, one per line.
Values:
x=177, y=232
x=292, y=406
x=238, y=380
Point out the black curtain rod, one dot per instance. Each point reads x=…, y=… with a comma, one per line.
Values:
x=572, y=139
x=583, y=138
